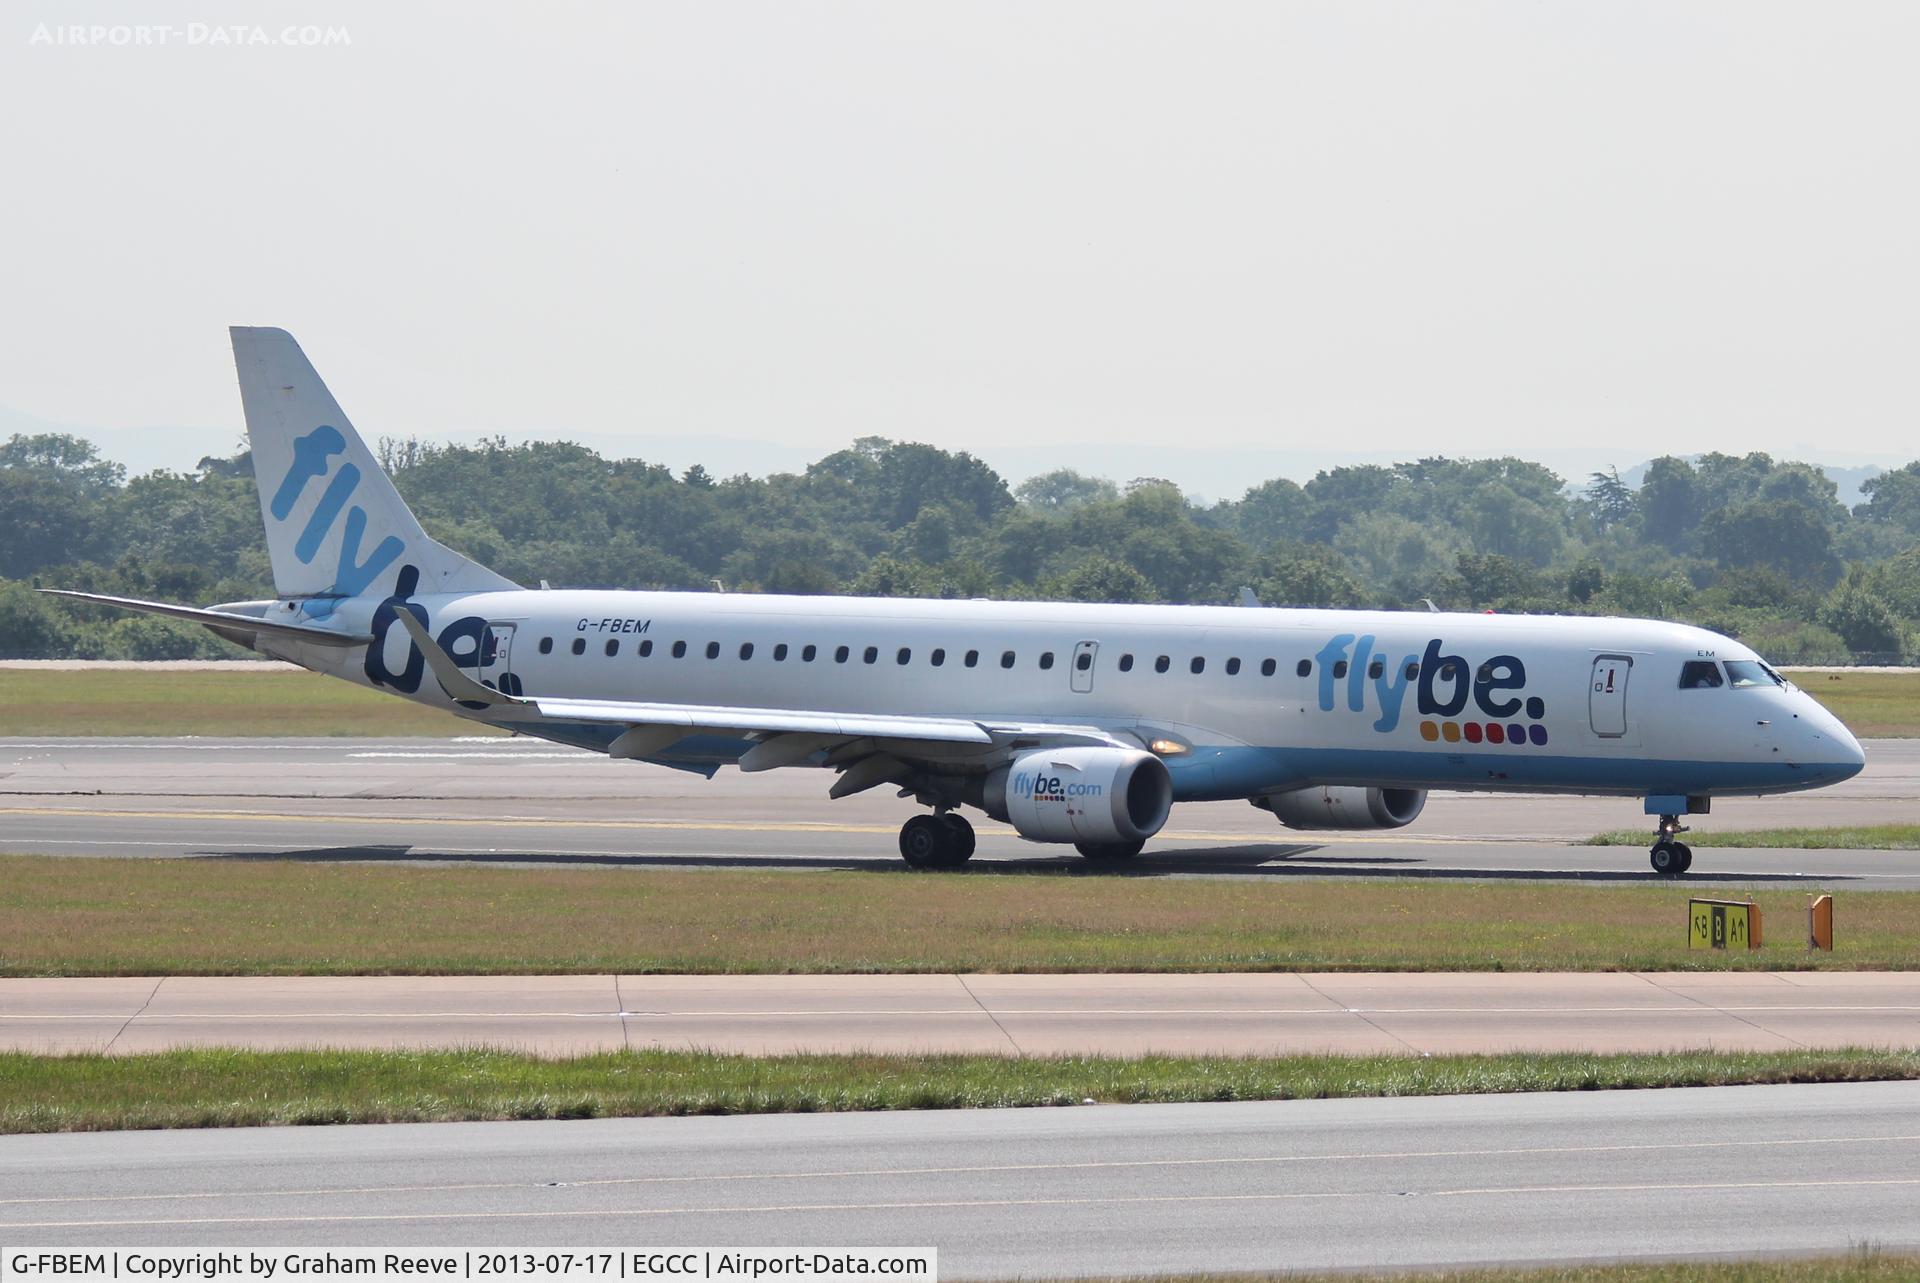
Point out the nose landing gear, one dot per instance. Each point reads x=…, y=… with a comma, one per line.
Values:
x=1670, y=857
x=942, y=841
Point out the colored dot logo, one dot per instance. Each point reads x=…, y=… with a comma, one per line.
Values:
x=1515, y=734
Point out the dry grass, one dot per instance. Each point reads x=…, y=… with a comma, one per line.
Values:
x=132, y=702
x=1873, y=705
x=1864, y=837
x=284, y=917
x=231, y=1088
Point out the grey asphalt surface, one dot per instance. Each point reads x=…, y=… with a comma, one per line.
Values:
x=1052, y=1192
x=1235, y=1014
x=526, y=802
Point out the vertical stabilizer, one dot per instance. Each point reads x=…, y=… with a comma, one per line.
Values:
x=336, y=527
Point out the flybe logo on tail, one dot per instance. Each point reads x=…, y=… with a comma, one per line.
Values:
x=312, y=459
x=1491, y=696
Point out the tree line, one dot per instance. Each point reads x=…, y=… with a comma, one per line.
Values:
x=1758, y=548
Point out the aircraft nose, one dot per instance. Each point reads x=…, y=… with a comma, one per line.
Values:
x=1835, y=749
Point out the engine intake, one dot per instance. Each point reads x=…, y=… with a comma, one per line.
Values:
x=1094, y=795
x=1345, y=808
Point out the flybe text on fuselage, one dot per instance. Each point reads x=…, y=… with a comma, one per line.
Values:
x=1357, y=672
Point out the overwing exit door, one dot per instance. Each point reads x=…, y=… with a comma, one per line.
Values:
x=496, y=659
x=1607, y=695
x=1082, y=669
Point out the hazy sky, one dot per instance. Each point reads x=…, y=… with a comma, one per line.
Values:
x=1030, y=229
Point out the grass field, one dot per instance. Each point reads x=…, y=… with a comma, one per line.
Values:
x=1865, y=837
x=125, y=702
x=220, y=1088
x=248, y=917
x=1873, y=705
x=1865, y=1266
x=135, y=702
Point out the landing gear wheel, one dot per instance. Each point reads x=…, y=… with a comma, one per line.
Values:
x=1670, y=858
x=922, y=839
x=960, y=835
x=1108, y=852
x=936, y=841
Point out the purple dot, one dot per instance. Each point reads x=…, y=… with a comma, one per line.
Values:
x=1516, y=734
x=1538, y=734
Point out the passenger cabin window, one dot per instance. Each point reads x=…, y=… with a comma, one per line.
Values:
x=780, y=653
x=1743, y=674
x=1302, y=669
x=546, y=645
x=1268, y=667
x=807, y=652
x=1161, y=664
x=1126, y=663
x=1006, y=659
x=713, y=650
x=938, y=656
x=679, y=650
x=579, y=645
x=746, y=650
x=1233, y=667
x=1339, y=668
x=1198, y=666
x=646, y=647
x=613, y=647
x=840, y=654
x=1046, y=659
x=870, y=654
x=902, y=655
x=973, y=658
x=1377, y=669
x=1413, y=671
x=1083, y=661
x=1699, y=675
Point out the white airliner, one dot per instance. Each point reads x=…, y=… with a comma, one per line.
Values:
x=1072, y=723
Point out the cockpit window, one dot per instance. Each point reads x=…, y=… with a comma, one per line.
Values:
x=1700, y=674
x=1747, y=673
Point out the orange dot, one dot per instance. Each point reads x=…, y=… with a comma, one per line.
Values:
x=1451, y=730
x=1429, y=732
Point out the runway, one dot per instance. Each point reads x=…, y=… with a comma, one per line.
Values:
x=1011, y=1015
x=1353, y=1184
x=524, y=802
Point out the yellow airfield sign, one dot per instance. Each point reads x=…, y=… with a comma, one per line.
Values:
x=1723, y=924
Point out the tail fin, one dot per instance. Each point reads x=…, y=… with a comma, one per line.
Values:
x=336, y=527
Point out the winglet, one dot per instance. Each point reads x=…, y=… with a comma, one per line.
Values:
x=453, y=679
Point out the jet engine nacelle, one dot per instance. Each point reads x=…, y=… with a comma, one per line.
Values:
x=1345, y=808
x=1096, y=795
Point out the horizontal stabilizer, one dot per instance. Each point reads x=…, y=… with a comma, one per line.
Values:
x=221, y=621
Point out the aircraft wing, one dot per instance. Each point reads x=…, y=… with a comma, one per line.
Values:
x=224, y=622
x=869, y=748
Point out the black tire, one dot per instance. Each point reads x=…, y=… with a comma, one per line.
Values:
x=1108, y=852
x=1685, y=852
x=1665, y=858
x=960, y=840
x=923, y=840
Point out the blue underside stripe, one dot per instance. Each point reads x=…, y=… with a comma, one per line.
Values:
x=1221, y=774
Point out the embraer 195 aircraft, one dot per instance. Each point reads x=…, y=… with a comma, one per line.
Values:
x=1072, y=723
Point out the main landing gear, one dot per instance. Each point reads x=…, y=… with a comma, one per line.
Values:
x=942, y=841
x=1670, y=857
